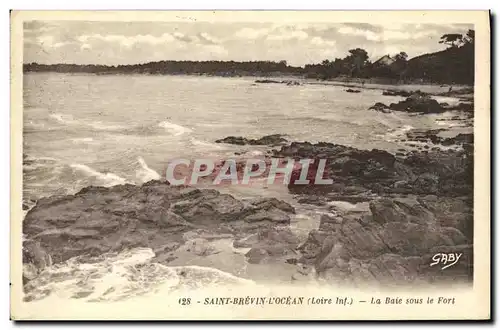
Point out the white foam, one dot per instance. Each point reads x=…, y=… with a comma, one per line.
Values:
x=144, y=173
x=447, y=99
x=97, y=125
x=431, y=145
x=398, y=132
x=206, y=144
x=106, y=179
x=84, y=140
x=255, y=153
x=59, y=117
x=174, y=129
x=125, y=275
x=348, y=206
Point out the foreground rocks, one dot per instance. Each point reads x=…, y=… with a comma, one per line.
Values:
x=394, y=244
x=274, y=139
x=426, y=208
x=155, y=215
x=271, y=245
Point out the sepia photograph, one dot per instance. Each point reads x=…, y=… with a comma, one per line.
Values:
x=320, y=165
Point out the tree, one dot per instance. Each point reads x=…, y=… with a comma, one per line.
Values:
x=401, y=57
x=356, y=60
x=468, y=38
x=452, y=39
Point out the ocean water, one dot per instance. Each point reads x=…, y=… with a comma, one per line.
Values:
x=82, y=130
x=104, y=130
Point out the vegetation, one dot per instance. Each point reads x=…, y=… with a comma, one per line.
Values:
x=452, y=65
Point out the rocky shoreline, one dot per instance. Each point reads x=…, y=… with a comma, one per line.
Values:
x=412, y=205
x=419, y=205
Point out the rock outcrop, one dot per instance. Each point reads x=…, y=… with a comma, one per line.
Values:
x=432, y=136
x=357, y=172
x=273, y=139
x=381, y=107
x=271, y=81
x=394, y=244
x=99, y=220
x=399, y=93
x=418, y=103
x=271, y=245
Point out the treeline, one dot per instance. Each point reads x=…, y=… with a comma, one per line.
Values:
x=454, y=65
x=219, y=68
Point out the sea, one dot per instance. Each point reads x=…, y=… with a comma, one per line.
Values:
x=82, y=129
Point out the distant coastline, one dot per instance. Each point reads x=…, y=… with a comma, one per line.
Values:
x=366, y=83
x=453, y=66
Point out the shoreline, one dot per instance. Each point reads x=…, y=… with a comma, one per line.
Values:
x=351, y=82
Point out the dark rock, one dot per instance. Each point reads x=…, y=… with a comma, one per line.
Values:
x=274, y=139
x=393, y=246
x=418, y=103
x=427, y=172
x=398, y=93
x=469, y=106
x=267, y=81
x=380, y=107
x=276, y=244
x=459, y=140
x=352, y=90
x=312, y=200
x=98, y=220
x=270, y=81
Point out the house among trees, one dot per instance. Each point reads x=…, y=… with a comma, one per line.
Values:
x=385, y=60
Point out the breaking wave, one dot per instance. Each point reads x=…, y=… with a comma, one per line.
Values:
x=204, y=144
x=120, y=276
x=174, y=129
x=107, y=179
x=144, y=173
x=143, y=129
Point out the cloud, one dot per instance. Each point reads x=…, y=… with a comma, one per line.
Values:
x=318, y=41
x=127, y=41
x=215, y=50
x=369, y=35
x=392, y=32
x=48, y=42
x=251, y=33
x=364, y=26
x=299, y=35
x=182, y=37
x=85, y=46
x=209, y=38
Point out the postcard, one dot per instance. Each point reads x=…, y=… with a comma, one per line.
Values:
x=250, y=165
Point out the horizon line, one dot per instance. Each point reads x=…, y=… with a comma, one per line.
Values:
x=200, y=61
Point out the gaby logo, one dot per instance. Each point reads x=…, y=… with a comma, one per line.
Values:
x=446, y=260
x=271, y=170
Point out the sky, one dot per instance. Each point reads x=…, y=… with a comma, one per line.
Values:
x=113, y=43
